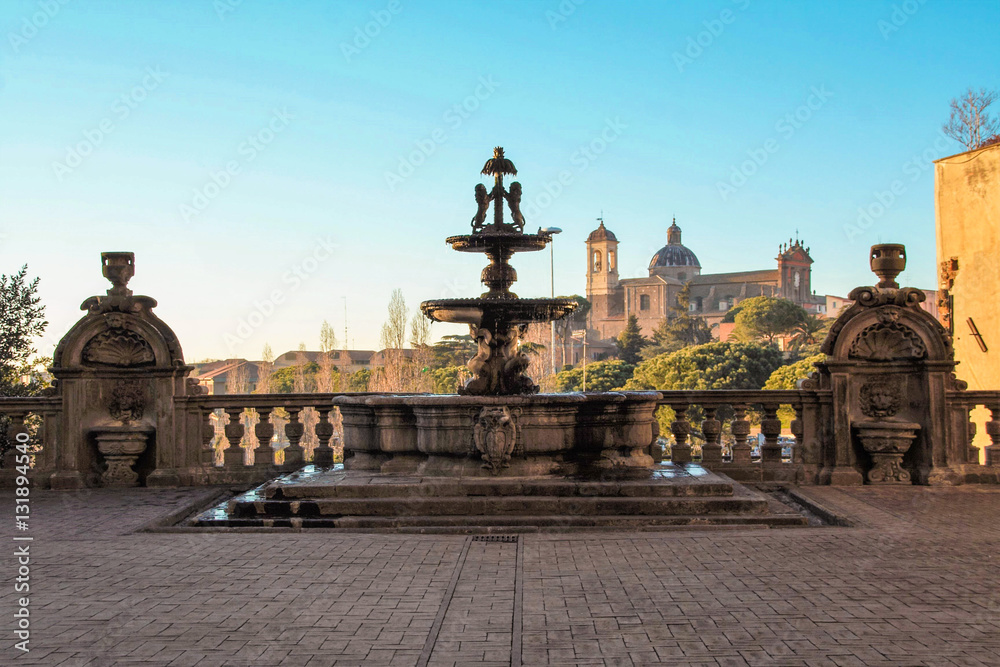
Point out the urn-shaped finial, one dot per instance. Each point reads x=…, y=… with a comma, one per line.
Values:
x=887, y=261
x=118, y=267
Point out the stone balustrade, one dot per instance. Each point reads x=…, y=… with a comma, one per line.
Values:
x=737, y=407
x=883, y=407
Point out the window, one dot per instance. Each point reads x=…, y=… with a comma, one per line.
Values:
x=643, y=302
x=597, y=261
x=682, y=276
x=611, y=260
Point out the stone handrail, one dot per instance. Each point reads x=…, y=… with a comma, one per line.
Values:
x=805, y=427
x=201, y=406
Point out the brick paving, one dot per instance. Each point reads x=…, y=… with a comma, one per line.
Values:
x=915, y=582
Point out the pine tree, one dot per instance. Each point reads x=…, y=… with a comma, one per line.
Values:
x=631, y=341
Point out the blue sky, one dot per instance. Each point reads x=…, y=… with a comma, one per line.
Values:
x=265, y=160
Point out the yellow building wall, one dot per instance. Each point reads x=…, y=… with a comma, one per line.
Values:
x=967, y=203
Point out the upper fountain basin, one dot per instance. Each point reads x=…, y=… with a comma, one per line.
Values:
x=489, y=240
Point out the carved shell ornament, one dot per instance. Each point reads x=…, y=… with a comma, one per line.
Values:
x=887, y=341
x=118, y=347
x=880, y=398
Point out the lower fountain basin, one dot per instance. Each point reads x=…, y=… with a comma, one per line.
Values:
x=477, y=311
x=598, y=433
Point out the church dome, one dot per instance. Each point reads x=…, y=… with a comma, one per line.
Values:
x=602, y=233
x=674, y=254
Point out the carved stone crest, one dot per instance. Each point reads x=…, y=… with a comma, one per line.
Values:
x=128, y=401
x=888, y=341
x=119, y=347
x=495, y=437
x=880, y=398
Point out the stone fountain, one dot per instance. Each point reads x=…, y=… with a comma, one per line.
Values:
x=499, y=454
x=499, y=425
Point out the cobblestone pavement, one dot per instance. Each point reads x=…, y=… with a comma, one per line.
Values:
x=916, y=582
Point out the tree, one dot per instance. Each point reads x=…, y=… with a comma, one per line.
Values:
x=631, y=341
x=709, y=366
x=601, y=376
x=328, y=377
x=453, y=350
x=680, y=329
x=971, y=123
x=767, y=317
x=809, y=334
x=22, y=320
x=447, y=380
x=786, y=377
x=566, y=326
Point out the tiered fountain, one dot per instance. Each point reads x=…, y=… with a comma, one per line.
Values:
x=499, y=454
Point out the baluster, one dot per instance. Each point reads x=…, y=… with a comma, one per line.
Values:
x=973, y=455
x=711, y=451
x=233, y=456
x=207, y=435
x=740, y=429
x=293, y=431
x=993, y=430
x=798, y=430
x=681, y=451
x=263, y=454
x=770, y=426
x=323, y=453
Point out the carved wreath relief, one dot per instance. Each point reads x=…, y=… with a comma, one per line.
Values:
x=495, y=437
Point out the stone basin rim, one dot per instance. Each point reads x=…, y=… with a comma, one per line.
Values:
x=472, y=310
x=442, y=400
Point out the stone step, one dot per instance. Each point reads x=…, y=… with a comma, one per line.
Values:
x=515, y=523
x=474, y=488
x=501, y=506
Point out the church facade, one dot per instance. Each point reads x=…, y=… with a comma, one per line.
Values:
x=613, y=299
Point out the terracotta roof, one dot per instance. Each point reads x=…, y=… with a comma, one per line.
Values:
x=767, y=275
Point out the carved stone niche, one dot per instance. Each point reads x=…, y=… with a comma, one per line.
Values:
x=118, y=370
x=888, y=369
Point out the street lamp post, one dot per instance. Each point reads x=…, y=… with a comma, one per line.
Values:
x=552, y=231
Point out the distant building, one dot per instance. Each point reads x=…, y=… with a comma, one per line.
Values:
x=345, y=361
x=216, y=376
x=614, y=299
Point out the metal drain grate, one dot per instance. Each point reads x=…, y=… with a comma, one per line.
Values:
x=494, y=538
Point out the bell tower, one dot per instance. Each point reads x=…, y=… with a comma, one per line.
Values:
x=602, y=262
